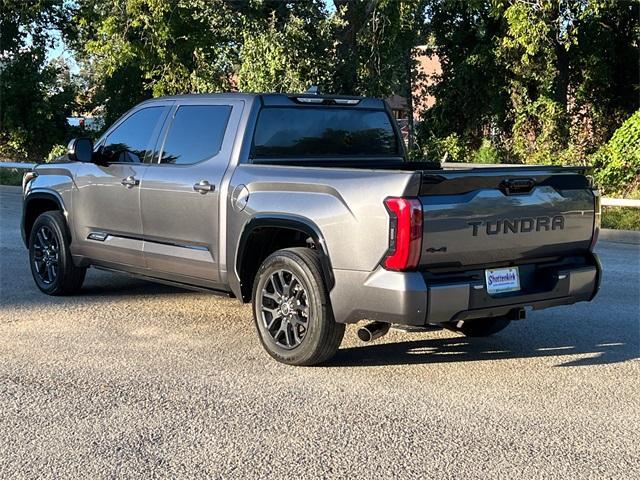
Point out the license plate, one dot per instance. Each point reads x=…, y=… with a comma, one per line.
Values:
x=500, y=280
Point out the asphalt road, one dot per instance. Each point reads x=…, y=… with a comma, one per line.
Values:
x=131, y=379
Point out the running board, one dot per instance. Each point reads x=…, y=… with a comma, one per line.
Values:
x=186, y=286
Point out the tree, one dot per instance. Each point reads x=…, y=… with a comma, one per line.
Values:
x=617, y=162
x=141, y=48
x=522, y=80
x=570, y=65
x=36, y=96
x=536, y=81
x=287, y=55
x=471, y=98
x=605, y=74
x=353, y=15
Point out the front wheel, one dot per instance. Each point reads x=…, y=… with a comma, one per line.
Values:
x=50, y=258
x=479, y=327
x=292, y=311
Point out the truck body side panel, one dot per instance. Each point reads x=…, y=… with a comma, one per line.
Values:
x=346, y=205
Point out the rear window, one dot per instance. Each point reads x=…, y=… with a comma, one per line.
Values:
x=285, y=132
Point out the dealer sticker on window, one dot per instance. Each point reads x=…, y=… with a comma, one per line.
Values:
x=500, y=280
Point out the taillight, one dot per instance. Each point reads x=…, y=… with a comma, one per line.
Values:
x=597, y=210
x=405, y=233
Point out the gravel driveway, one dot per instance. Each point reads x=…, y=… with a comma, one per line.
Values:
x=132, y=379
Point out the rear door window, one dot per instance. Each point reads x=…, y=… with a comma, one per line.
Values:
x=286, y=132
x=196, y=134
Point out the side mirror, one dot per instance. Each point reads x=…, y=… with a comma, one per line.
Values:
x=80, y=150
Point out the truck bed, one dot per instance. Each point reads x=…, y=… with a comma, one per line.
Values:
x=479, y=215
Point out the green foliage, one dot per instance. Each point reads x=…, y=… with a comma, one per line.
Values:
x=621, y=218
x=487, y=153
x=382, y=55
x=471, y=95
x=548, y=81
x=528, y=39
x=135, y=49
x=538, y=133
x=288, y=58
x=10, y=176
x=36, y=95
x=617, y=163
x=536, y=81
x=56, y=152
x=448, y=149
x=534, y=53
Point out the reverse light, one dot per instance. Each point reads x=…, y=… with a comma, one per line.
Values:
x=405, y=233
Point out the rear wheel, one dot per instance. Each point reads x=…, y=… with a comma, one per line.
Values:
x=292, y=310
x=50, y=258
x=479, y=327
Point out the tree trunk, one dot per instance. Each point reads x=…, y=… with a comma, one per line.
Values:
x=356, y=14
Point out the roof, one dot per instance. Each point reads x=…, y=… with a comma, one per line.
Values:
x=234, y=95
x=275, y=99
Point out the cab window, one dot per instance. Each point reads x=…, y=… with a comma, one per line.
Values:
x=196, y=134
x=324, y=132
x=129, y=142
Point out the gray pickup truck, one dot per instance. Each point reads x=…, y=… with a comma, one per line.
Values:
x=306, y=206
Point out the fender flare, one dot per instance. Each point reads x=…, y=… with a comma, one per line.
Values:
x=285, y=221
x=38, y=195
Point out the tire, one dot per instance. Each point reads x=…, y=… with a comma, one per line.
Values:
x=479, y=327
x=50, y=258
x=295, y=274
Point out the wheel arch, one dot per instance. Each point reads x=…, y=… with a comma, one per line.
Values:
x=266, y=233
x=35, y=204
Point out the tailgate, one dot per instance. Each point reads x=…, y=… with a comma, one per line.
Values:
x=501, y=215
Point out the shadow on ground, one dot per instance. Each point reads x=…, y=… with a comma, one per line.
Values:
x=569, y=331
x=535, y=341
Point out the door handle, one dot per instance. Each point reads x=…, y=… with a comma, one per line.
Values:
x=130, y=182
x=203, y=187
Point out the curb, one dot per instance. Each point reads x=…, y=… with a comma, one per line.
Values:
x=620, y=236
x=11, y=188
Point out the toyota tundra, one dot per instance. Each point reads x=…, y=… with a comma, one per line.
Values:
x=306, y=206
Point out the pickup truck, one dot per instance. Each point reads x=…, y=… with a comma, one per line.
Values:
x=306, y=206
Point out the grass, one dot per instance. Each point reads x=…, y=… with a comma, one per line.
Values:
x=621, y=218
x=11, y=176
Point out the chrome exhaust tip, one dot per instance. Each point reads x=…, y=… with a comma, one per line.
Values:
x=373, y=331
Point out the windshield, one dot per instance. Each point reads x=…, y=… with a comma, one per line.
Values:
x=298, y=132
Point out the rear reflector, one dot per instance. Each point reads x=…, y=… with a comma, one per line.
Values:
x=597, y=210
x=405, y=233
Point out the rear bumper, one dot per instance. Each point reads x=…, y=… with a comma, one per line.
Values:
x=416, y=298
